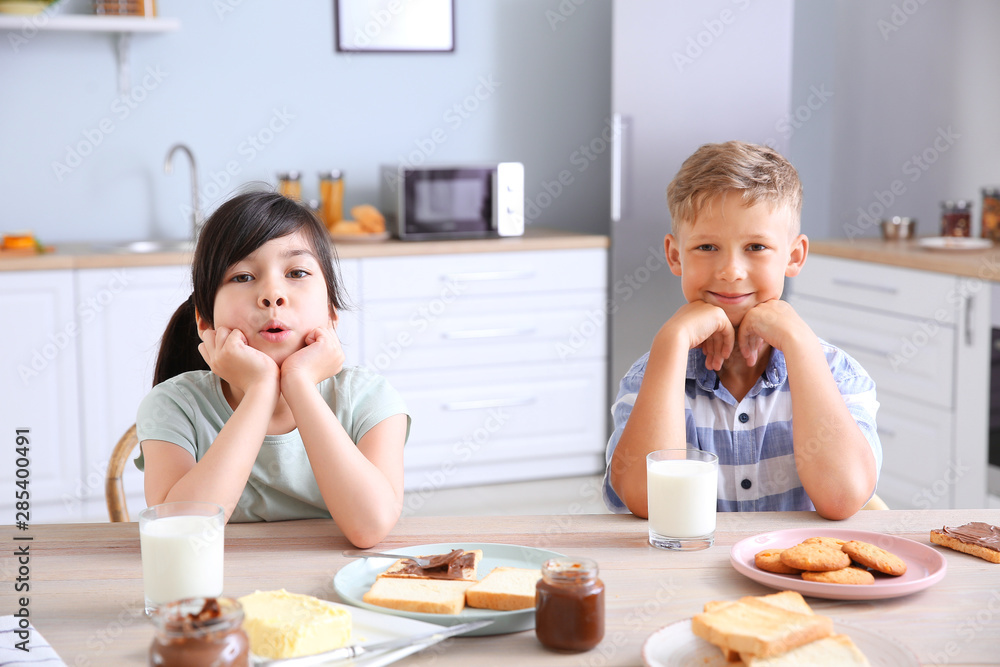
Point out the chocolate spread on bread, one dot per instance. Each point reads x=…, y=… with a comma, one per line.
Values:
x=451, y=568
x=977, y=533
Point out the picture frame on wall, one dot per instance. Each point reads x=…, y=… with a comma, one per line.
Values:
x=394, y=26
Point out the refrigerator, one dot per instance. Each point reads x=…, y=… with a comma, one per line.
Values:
x=683, y=74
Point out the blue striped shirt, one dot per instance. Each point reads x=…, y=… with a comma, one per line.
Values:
x=752, y=437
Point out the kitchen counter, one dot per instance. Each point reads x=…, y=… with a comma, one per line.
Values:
x=102, y=256
x=983, y=264
x=86, y=583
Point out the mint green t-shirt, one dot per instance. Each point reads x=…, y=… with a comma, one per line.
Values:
x=190, y=410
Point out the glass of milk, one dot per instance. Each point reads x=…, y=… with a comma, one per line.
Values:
x=681, y=489
x=181, y=546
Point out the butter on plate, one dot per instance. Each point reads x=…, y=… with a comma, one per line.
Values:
x=280, y=624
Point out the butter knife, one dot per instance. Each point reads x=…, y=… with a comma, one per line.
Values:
x=424, y=640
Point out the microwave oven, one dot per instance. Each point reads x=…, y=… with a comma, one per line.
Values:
x=446, y=201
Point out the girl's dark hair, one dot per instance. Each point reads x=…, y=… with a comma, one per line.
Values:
x=236, y=229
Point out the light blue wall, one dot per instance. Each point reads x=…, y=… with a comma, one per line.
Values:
x=270, y=70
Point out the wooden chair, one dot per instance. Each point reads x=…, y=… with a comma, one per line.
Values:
x=875, y=503
x=114, y=489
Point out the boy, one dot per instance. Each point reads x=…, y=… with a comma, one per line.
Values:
x=735, y=371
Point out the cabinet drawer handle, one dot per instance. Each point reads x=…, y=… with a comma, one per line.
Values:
x=487, y=333
x=485, y=276
x=489, y=403
x=854, y=346
x=844, y=282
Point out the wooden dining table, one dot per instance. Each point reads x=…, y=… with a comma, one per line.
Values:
x=86, y=582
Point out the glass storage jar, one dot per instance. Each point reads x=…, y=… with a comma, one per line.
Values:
x=956, y=218
x=290, y=184
x=199, y=632
x=991, y=214
x=331, y=196
x=569, y=605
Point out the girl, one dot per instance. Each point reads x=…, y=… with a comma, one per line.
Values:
x=252, y=407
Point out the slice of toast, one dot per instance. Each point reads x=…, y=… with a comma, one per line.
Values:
x=790, y=600
x=836, y=651
x=464, y=570
x=505, y=589
x=992, y=555
x=427, y=596
x=754, y=627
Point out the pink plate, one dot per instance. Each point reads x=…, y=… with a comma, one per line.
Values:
x=924, y=565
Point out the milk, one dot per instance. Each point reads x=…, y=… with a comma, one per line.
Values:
x=681, y=497
x=181, y=558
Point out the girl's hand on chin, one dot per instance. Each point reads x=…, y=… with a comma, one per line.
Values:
x=230, y=357
x=321, y=358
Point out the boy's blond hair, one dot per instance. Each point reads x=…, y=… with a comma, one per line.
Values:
x=758, y=173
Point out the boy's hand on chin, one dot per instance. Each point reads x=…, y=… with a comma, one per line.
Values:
x=230, y=357
x=321, y=358
x=773, y=323
x=703, y=326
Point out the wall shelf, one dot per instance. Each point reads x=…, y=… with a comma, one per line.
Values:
x=121, y=26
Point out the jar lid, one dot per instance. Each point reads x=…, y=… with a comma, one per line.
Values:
x=991, y=191
x=332, y=174
x=289, y=175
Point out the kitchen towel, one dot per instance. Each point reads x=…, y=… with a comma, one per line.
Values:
x=39, y=653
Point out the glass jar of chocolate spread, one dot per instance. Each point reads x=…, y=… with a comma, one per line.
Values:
x=956, y=218
x=569, y=605
x=199, y=632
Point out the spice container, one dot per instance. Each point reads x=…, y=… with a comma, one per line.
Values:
x=331, y=196
x=991, y=214
x=956, y=218
x=199, y=632
x=569, y=605
x=290, y=184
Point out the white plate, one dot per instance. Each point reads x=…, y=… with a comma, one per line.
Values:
x=954, y=243
x=368, y=627
x=676, y=646
x=924, y=566
x=354, y=580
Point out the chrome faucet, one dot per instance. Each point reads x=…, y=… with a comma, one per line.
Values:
x=168, y=167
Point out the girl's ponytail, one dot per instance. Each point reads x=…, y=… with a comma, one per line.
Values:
x=179, y=345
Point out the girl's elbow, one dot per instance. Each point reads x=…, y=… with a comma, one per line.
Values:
x=372, y=532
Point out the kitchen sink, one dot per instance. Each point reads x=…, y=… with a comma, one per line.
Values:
x=153, y=245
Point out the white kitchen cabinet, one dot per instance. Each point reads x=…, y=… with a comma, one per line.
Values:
x=924, y=337
x=501, y=358
x=38, y=367
x=126, y=311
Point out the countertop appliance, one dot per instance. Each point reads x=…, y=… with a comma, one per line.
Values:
x=453, y=201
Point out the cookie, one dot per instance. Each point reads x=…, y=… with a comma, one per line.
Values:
x=846, y=575
x=834, y=542
x=874, y=557
x=815, y=557
x=769, y=560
